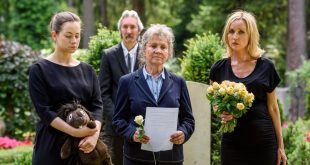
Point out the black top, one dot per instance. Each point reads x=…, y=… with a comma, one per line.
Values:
x=255, y=128
x=50, y=86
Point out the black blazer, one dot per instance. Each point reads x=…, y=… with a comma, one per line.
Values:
x=112, y=67
x=134, y=95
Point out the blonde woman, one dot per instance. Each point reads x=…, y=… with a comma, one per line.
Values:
x=257, y=138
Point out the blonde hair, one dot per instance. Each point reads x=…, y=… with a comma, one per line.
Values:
x=253, y=46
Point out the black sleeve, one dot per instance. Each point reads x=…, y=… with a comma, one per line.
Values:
x=96, y=102
x=39, y=95
x=187, y=121
x=273, y=78
x=105, y=81
x=214, y=70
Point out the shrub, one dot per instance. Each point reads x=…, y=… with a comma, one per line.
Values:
x=201, y=52
x=15, y=105
x=296, y=145
x=81, y=55
x=102, y=40
x=300, y=77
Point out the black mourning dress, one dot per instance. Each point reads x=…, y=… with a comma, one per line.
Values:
x=253, y=141
x=50, y=86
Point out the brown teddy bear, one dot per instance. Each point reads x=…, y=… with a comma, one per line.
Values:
x=78, y=116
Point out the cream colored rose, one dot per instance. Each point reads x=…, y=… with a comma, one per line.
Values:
x=250, y=97
x=242, y=93
x=139, y=120
x=240, y=106
x=223, y=86
x=222, y=91
x=210, y=89
x=240, y=86
x=230, y=90
x=215, y=85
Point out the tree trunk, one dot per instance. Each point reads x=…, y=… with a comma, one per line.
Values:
x=139, y=7
x=88, y=19
x=70, y=3
x=296, y=50
x=104, y=12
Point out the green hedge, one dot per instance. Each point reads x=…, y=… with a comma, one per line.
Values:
x=15, y=105
x=202, y=52
x=102, y=40
x=296, y=145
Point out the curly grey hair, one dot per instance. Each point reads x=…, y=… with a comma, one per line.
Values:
x=161, y=31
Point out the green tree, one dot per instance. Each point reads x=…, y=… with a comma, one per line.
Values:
x=27, y=21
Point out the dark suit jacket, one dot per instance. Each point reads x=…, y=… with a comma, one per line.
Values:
x=112, y=67
x=134, y=95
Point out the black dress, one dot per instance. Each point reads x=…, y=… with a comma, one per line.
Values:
x=253, y=141
x=50, y=86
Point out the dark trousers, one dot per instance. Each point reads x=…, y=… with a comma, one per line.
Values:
x=115, y=145
x=132, y=162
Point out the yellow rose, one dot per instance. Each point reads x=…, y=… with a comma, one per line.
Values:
x=242, y=93
x=230, y=90
x=250, y=97
x=240, y=86
x=225, y=82
x=222, y=91
x=139, y=120
x=210, y=89
x=240, y=106
x=223, y=86
x=215, y=85
x=232, y=84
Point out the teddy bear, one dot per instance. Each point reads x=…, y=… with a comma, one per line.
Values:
x=78, y=116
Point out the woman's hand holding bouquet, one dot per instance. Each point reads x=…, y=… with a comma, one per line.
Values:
x=229, y=100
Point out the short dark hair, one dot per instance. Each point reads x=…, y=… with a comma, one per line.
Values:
x=62, y=17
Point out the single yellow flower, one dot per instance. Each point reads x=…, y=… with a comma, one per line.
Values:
x=215, y=85
x=230, y=90
x=139, y=120
x=242, y=93
x=240, y=106
x=249, y=97
x=210, y=89
x=222, y=91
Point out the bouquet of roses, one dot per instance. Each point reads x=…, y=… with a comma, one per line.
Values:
x=230, y=97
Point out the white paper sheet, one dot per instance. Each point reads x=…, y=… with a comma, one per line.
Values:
x=160, y=124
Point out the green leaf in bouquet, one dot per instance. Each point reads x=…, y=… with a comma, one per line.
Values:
x=228, y=107
x=141, y=132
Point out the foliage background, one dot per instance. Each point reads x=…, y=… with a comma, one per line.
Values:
x=15, y=105
x=27, y=23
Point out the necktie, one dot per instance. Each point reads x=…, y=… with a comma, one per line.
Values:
x=128, y=63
